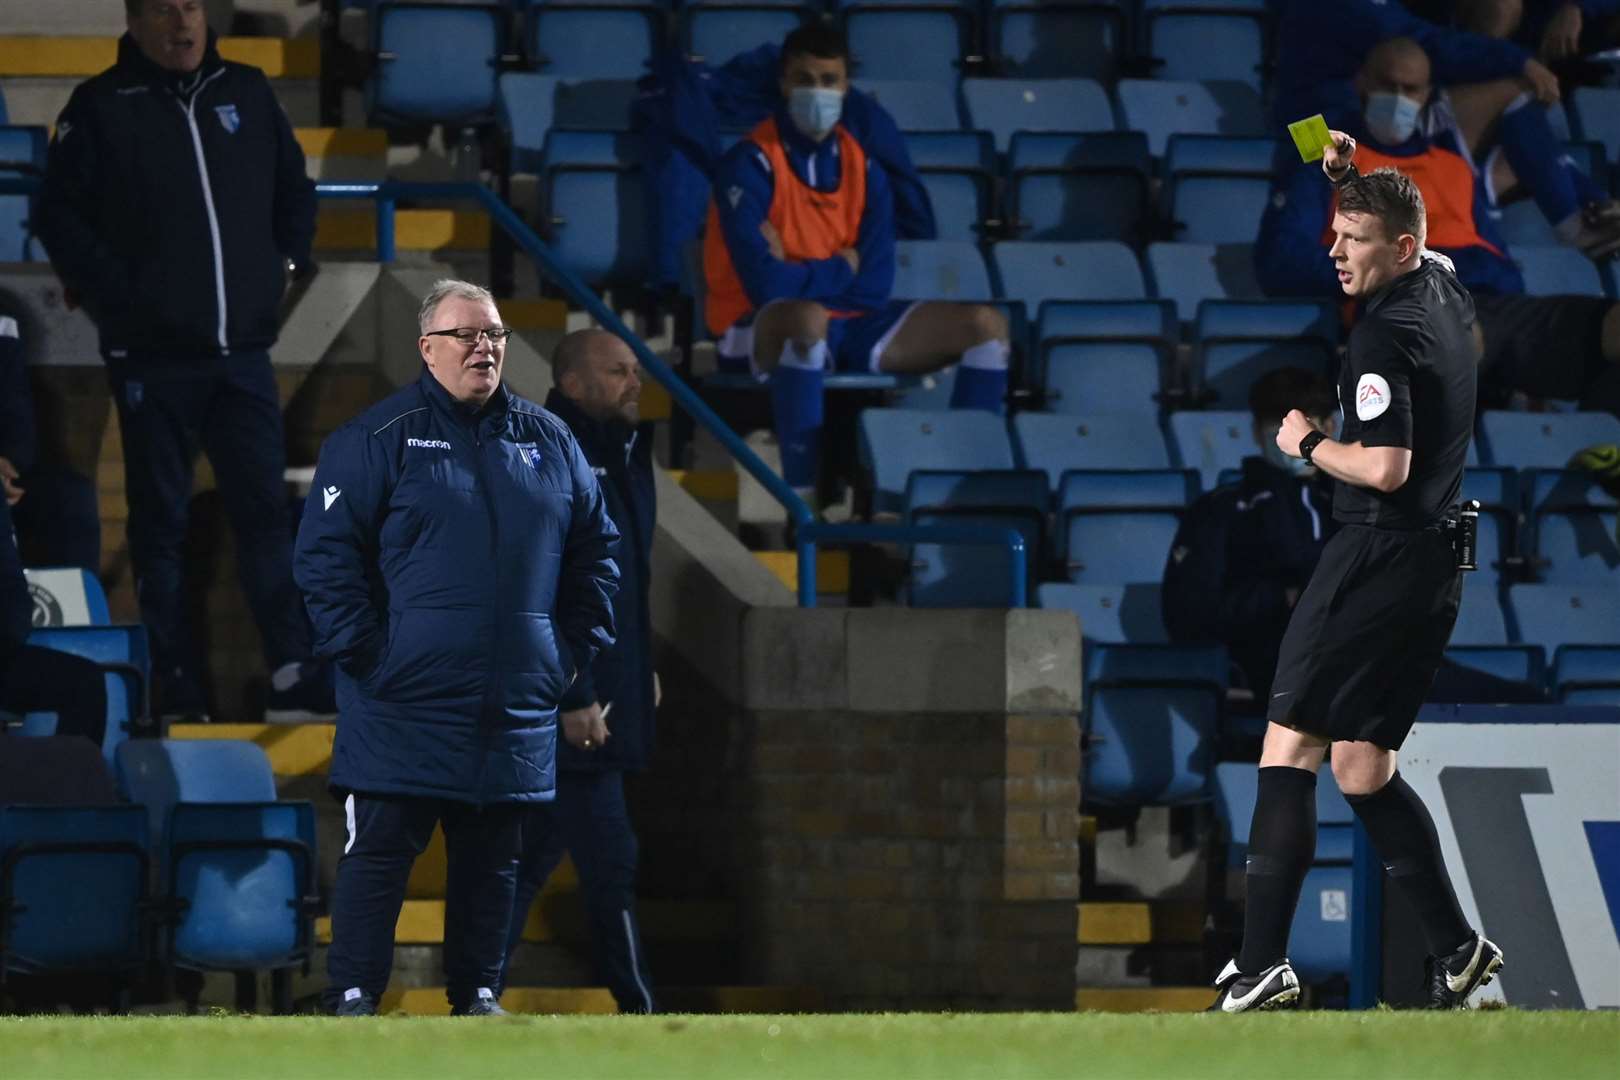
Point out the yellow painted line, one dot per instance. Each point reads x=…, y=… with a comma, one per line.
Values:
x=294, y=749
x=1088, y=830
x=1144, y=999
x=532, y=1000
x=40, y=56
x=535, y=314
x=414, y=230
x=321, y=142
x=715, y=485
x=655, y=401
x=1115, y=924
x=832, y=569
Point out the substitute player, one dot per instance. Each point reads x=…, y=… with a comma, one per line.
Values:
x=1367, y=635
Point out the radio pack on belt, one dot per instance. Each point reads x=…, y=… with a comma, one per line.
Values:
x=1463, y=528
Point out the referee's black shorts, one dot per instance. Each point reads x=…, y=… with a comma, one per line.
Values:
x=1367, y=636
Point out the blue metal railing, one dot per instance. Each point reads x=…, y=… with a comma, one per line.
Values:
x=809, y=532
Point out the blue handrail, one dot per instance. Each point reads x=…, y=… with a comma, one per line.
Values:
x=810, y=532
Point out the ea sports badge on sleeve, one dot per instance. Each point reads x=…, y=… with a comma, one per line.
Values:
x=1311, y=137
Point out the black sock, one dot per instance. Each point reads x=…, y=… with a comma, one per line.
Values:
x=1403, y=833
x=1282, y=843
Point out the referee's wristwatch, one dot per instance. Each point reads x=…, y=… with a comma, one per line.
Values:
x=1308, y=445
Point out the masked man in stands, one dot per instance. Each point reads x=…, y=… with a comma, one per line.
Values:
x=799, y=263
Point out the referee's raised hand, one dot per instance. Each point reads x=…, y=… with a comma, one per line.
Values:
x=1337, y=155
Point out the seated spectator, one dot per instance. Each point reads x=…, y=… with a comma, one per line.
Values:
x=53, y=508
x=1547, y=346
x=1557, y=31
x=1245, y=550
x=799, y=261
x=35, y=679
x=1493, y=94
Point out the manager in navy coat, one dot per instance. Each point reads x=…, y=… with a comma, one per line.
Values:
x=455, y=561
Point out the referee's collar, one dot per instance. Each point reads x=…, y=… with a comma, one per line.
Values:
x=1418, y=273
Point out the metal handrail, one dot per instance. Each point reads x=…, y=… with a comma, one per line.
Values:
x=809, y=531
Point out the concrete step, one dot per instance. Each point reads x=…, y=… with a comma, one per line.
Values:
x=832, y=570
x=1140, y=923
x=595, y=1000
x=1143, y=999
x=47, y=56
x=414, y=230
x=558, y=918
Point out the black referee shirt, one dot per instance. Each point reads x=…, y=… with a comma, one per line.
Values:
x=1410, y=380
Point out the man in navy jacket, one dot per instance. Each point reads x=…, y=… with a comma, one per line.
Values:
x=455, y=560
x=607, y=716
x=174, y=202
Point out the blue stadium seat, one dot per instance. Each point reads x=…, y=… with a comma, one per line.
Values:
x=1479, y=618
x=1116, y=614
x=1496, y=550
x=1191, y=273
x=1212, y=441
x=596, y=221
x=1117, y=546
x=950, y=149
x=1577, y=546
x=1217, y=187
x=717, y=30
x=1060, y=39
x=1492, y=485
x=600, y=148
x=954, y=575
x=894, y=443
x=1058, y=443
x=1236, y=342
x=1081, y=489
x=1597, y=113
x=1543, y=440
x=1319, y=939
x=1564, y=489
x=1164, y=107
x=1079, y=185
x=1104, y=356
x=1522, y=225
x=1587, y=674
x=239, y=867
x=961, y=200
x=436, y=63
x=22, y=153
x=904, y=42
x=1525, y=664
x=75, y=904
x=123, y=654
x=530, y=107
x=1554, y=615
x=1033, y=273
x=1188, y=43
x=939, y=270
x=1151, y=718
x=588, y=41
x=1003, y=106
x=916, y=105
x=1557, y=271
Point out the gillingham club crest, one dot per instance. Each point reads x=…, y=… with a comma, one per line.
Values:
x=229, y=118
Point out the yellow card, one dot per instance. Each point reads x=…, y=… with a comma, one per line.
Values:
x=1310, y=136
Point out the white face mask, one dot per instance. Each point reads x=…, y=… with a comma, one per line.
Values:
x=815, y=109
x=1274, y=455
x=1392, y=118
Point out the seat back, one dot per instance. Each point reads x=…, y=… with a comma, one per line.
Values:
x=22, y=153
x=1554, y=615
x=939, y=270
x=916, y=105
x=1163, y=107
x=961, y=201
x=1214, y=44
x=1557, y=271
x=1238, y=341
x=1114, y=613
x=1479, y=618
x=1576, y=547
x=592, y=41
x=1543, y=440
x=1058, y=40
x=1218, y=209
x=123, y=654
x=1105, y=441
x=1192, y=273
x=717, y=31
x=1149, y=745
x=598, y=222
x=1003, y=106
x=160, y=773
x=1033, y=273
x=1319, y=940
x=894, y=443
x=436, y=62
x=1597, y=109
x=947, y=149
x=1118, y=546
x=73, y=882
x=1082, y=489
x=935, y=41
x=1578, y=669
x=1212, y=441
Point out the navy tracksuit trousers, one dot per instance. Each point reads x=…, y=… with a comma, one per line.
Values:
x=386, y=834
x=229, y=407
x=590, y=821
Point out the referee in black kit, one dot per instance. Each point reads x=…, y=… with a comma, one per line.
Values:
x=1368, y=633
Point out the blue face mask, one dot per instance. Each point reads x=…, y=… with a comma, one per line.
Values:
x=815, y=109
x=1273, y=454
x=1391, y=118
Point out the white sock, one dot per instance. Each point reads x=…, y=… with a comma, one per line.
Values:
x=285, y=677
x=815, y=359
x=988, y=355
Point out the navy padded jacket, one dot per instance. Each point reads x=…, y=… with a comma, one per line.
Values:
x=457, y=568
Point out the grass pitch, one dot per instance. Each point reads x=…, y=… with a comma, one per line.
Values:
x=1364, y=1046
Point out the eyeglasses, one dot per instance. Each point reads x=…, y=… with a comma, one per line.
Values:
x=469, y=335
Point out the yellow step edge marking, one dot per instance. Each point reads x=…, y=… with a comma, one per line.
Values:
x=1088, y=829
x=655, y=400
x=832, y=569
x=535, y=314
x=715, y=485
x=320, y=142
x=1115, y=924
x=42, y=56
x=1136, y=999
x=414, y=230
x=294, y=749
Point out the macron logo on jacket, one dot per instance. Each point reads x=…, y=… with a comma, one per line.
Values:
x=429, y=444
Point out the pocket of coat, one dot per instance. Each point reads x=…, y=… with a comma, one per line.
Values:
x=395, y=618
